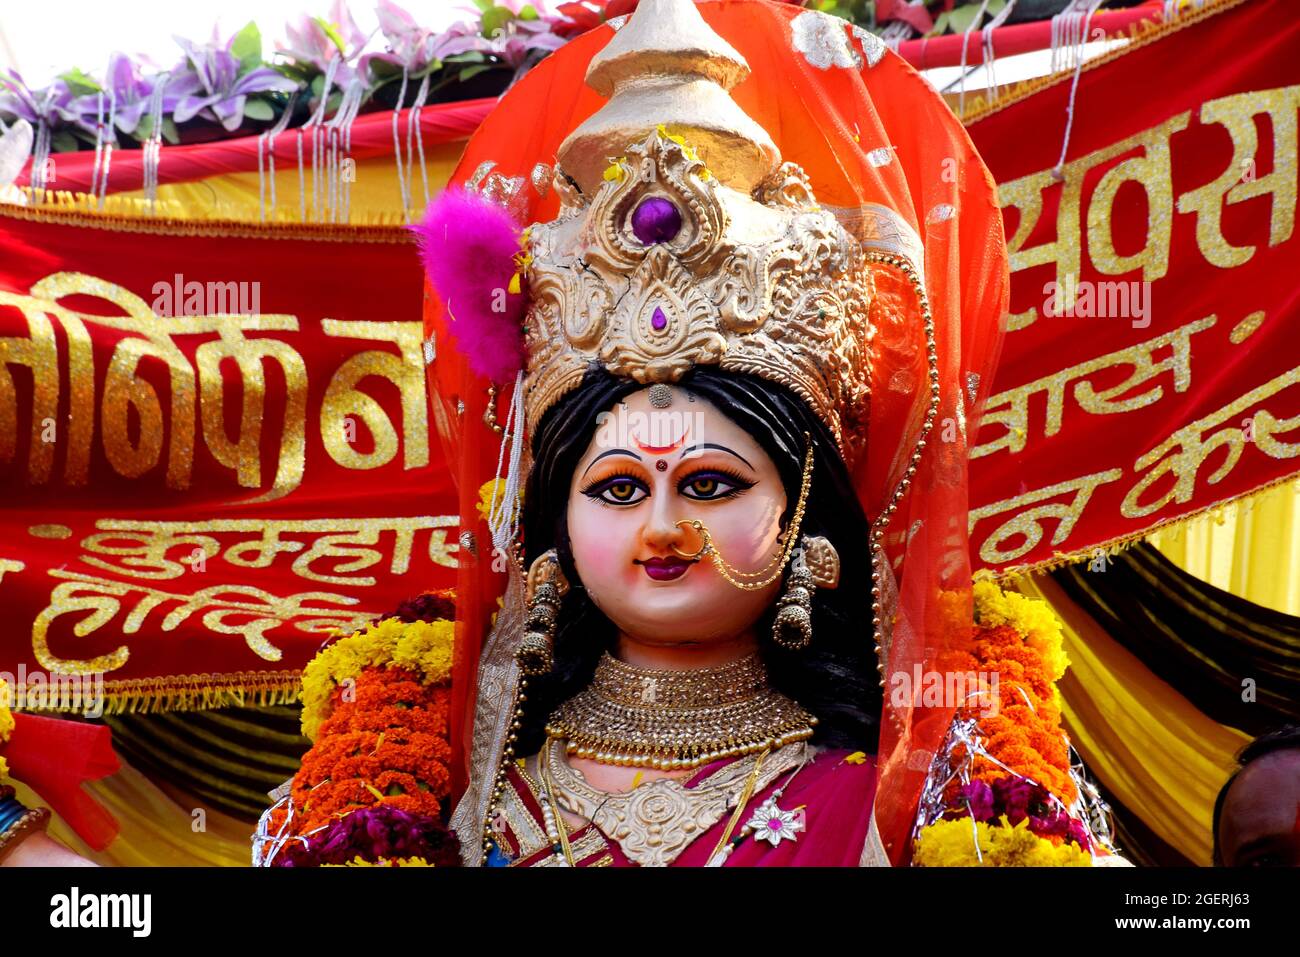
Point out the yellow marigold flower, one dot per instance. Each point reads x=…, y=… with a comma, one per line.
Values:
x=486, y=491
x=951, y=843
x=422, y=647
x=385, y=862
x=614, y=171
x=857, y=757
x=1033, y=618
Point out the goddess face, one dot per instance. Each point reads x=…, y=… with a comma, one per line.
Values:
x=645, y=470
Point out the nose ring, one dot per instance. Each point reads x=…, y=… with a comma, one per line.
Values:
x=707, y=543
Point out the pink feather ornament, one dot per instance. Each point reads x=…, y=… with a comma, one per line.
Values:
x=468, y=246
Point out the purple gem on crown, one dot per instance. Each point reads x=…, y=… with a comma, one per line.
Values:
x=655, y=220
x=658, y=320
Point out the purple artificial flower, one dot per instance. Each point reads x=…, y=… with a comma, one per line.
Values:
x=519, y=38
x=212, y=84
x=979, y=796
x=378, y=831
x=54, y=104
x=415, y=49
x=408, y=43
x=1079, y=834
x=315, y=42
x=1014, y=796
x=127, y=95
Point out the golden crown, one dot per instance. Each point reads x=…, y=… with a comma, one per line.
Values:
x=692, y=244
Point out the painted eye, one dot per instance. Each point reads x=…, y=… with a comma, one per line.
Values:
x=708, y=486
x=704, y=487
x=619, y=490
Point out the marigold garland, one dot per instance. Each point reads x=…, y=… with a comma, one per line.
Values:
x=374, y=785
x=951, y=843
x=389, y=744
x=1015, y=816
x=384, y=862
x=423, y=648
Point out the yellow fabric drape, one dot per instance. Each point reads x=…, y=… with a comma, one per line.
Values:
x=1250, y=548
x=157, y=829
x=1162, y=758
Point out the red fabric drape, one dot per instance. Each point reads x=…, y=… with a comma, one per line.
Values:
x=54, y=758
x=372, y=135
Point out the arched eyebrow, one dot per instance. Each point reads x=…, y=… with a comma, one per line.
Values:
x=609, y=452
x=713, y=445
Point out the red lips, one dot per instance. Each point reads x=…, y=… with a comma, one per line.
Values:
x=665, y=569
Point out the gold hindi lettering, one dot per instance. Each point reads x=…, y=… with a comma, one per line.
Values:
x=333, y=551
x=1150, y=170
x=195, y=391
x=1186, y=450
x=1031, y=510
x=225, y=609
x=344, y=403
x=1010, y=409
x=1079, y=225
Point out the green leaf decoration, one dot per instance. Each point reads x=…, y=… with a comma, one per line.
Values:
x=246, y=46
x=331, y=31
x=961, y=18
x=258, y=110
x=80, y=82
x=494, y=20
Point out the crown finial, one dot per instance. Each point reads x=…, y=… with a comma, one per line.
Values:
x=667, y=66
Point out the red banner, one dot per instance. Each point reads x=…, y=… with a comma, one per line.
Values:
x=215, y=450
x=1151, y=370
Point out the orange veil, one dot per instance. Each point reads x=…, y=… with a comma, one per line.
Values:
x=871, y=134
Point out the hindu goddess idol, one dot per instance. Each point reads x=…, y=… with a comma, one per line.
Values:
x=717, y=401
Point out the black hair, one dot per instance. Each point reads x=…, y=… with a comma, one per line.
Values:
x=1285, y=738
x=835, y=677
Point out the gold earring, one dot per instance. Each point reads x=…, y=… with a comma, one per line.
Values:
x=545, y=588
x=817, y=566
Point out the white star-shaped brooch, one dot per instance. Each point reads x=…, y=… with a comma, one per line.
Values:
x=774, y=825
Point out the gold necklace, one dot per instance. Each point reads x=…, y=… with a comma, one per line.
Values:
x=657, y=820
x=677, y=720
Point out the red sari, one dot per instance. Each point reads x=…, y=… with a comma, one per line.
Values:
x=835, y=791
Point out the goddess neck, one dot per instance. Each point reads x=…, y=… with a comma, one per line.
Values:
x=671, y=655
